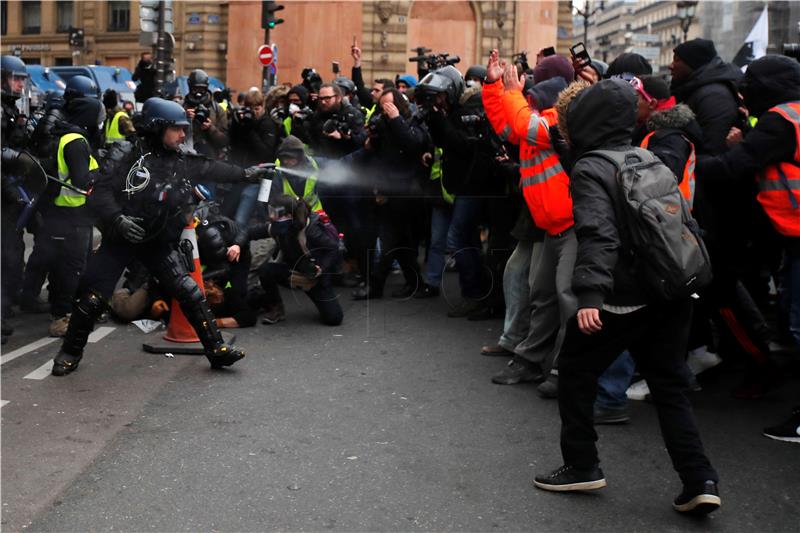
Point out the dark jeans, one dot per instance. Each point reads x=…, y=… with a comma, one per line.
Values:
x=656, y=337
x=323, y=295
x=463, y=241
x=60, y=251
x=397, y=242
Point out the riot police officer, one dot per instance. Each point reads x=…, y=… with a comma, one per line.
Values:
x=143, y=203
x=14, y=139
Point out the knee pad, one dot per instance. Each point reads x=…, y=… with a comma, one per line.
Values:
x=91, y=304
x=185, y=289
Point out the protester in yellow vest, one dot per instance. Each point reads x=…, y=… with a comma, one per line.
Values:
x=64, y=239
x=292, y=155
x=118, y=124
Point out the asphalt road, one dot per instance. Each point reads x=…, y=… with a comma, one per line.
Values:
x=387, y=423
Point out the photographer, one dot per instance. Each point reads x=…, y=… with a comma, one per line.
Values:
x=392, y=154
x=209, y=131
x=145, y=74
x=254, y=139
x=296, y=112
x=335, y=128
x=459, y=126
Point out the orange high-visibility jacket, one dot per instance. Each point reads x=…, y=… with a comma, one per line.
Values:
x=543, y=182
x=687, y=184
x=779, y=184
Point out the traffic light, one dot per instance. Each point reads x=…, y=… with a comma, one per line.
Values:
x=268, y=9
x=149, y=13
x=76, y=37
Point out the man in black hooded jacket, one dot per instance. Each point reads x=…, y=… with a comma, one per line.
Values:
x=615, y=314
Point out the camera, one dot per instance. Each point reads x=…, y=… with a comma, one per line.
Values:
x=201, y=113
x=336, y=124
x=376, y=126
x=245, y=114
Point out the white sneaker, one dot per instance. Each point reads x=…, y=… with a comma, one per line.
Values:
x=638, y=391
x=700, y=360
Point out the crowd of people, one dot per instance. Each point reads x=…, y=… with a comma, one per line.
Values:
x=641, y=227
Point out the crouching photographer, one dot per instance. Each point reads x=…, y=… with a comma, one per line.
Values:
x=309, y=248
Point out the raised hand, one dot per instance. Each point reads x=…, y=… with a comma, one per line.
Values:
x=494, y=70
x=512, y=80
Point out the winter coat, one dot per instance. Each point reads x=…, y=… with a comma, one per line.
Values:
x=327, y=147
x=710, y=92
x=601, y=117
x=253, y=141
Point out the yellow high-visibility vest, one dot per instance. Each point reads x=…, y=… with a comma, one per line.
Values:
x=67, y=197
x=310, y=190
x=112, y=128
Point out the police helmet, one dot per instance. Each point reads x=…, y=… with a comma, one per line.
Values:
x=158, y=114
x=80, y=86
x=477, y=72
x=446, y=80
x=198, y=79
x=12, y=66
x=345, y=84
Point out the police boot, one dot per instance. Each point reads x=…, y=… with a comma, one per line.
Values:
x=81, y=323
x=202, y=320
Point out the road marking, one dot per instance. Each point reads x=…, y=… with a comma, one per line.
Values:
x=3, y=402
x=99, y=333
x=41, y=372
x=19, y=352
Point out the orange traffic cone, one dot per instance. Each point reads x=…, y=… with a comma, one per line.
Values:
x=179, y=329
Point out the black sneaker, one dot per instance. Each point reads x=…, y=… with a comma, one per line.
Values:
x=569, y=478
x=788, y=431
x=698, y=499
x=518, y=371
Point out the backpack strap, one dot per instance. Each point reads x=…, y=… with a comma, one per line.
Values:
x=626, y=158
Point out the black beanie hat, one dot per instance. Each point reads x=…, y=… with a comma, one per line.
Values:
x=291, y=148
x=300, y=91
x=696, y=53
x=629, y=63
x=656, y=87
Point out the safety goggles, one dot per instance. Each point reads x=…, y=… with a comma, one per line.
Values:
x=637, y=84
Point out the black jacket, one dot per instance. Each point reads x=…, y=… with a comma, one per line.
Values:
x=710, y=92
x=321, y=244
x=167, y=201
x=324, y=146
x=253, y=141
x=469, y=147
x=363, y=93
x=601, y=117
x=671, y=129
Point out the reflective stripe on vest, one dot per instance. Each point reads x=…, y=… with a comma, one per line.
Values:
x=436, y=174
x=687, y=184
x=779, y=184
x=310, y=188
x=370, y=112
x=112, y=128
x=67, y=197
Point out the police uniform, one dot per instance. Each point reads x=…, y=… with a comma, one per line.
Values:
x=143, y=204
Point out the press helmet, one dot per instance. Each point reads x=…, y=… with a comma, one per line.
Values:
x=12, y=66
x=345, y=84
x=476, y=72
x=198, y=79
x=446, y=80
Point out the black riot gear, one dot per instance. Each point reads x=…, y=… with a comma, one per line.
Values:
x=477, y=72
x=198, y=87
x=80, y=86
x=12, y=66
x=445, y=80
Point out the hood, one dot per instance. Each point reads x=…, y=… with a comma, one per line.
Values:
x=715, y=71
x=602, y=116
x=300, y=91
x=679, y=117
x=545, y=93
x=291, y=148
x=86, y=113
x=769, y=81
x=472, y=96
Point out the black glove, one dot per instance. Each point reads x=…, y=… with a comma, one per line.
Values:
x=9, y=156
x=256, y=173
x=129, y=228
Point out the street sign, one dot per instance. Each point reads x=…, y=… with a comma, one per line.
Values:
x=265, y=54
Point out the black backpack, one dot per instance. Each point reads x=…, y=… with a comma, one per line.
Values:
x=669, y=256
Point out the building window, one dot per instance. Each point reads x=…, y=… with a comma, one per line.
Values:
x=119, y=16
x=3, y=16
x=31, y=17
x=64, y=18
x=63, y=62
